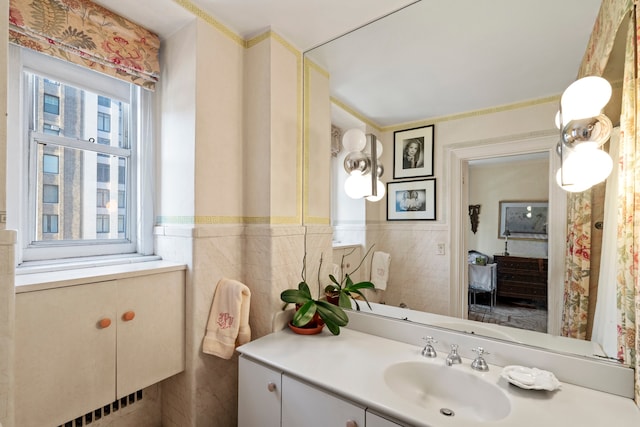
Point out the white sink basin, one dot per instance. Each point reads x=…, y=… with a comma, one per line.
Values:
x=446, y=389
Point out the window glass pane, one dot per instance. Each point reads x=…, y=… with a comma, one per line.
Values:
x=104, y=141
x=84, y=207
x=102, y=198
x=50, y=163
x=121, y=222
x=102, y=223
x=49, y=193
x=49, y=224
x=121, y=199
x=104, y=122
x=51, y=129
x=104, y=101
x=51, y=104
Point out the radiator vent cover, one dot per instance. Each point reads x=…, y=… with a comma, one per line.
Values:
x=105, y=411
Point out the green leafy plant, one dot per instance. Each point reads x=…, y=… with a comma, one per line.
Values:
x=332, y=315
x=345, y=290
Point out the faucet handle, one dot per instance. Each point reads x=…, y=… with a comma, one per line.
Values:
x=479, y=364
x=480, y=351
x=428, y=350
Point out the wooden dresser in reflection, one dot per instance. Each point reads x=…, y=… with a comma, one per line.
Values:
x=522, y=278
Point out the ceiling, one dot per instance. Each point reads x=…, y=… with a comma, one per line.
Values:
x=431, y=59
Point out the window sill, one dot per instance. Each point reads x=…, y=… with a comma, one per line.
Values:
x=37, y=276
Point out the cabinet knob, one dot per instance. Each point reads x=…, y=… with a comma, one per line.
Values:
x=351, y=423
x=129, y=315
x=271, y=387
x=104, y=323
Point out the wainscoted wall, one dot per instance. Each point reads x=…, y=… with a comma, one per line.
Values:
x=7, y=322
x=413, y=248
x=267, y=259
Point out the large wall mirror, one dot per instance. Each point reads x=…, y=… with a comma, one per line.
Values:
x=507, y=127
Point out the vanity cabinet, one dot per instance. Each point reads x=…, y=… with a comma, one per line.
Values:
x=522, y=278
x=306, y=405
x=267, y=397
x=81, y=347
x=375, y=420
x=259, y=394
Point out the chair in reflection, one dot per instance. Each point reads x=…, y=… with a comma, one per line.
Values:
x=482, y=278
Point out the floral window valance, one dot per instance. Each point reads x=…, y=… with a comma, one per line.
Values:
x=87, y=34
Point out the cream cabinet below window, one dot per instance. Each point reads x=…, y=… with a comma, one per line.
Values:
x=81, y=347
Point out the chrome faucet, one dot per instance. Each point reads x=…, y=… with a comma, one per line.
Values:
x=453, y=356
x=428, y=350
x=479, y=364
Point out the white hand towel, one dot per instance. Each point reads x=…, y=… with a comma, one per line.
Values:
x=228, y=320
x=380, y=269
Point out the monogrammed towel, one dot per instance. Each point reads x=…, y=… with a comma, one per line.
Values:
x=228, y=323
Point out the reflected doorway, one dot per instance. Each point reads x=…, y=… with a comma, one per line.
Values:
x=507, y=278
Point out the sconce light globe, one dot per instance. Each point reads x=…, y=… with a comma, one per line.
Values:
x=357, y=161
x=380, y=191
x=354, y=140
x=357, y=186
x=584, y=98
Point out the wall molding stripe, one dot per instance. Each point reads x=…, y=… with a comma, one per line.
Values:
x=418, y=123
x=356, y=114
x=195, y=10
x=317, y=220
x=305, y=141
x=197, y=220
x=316, y=67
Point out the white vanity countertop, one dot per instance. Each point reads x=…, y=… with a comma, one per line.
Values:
x=352, y=365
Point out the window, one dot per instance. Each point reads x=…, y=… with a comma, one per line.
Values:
x=64, y=206
x=104, y=122
x=104, y=101
x=102, y=198
x=49, y=223
x=50, y=163
x=104, y=172
x=51, y=129
x=102, y=223
x=49, y=193
x=51, y=104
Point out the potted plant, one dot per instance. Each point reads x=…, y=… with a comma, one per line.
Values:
x=344, y=291
x=312, y=312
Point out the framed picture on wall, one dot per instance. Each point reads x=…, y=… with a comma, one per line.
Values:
x=411, y=200
x=523, y=220
x=413, y=153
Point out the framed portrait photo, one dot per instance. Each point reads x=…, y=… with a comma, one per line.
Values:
x=523, y=220
x=411, y=200
x=413, y=152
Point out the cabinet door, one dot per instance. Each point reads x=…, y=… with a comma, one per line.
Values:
x=151, y=344
x=375, y=420
x=259, y=395
x=305, y=405
x=64, y=359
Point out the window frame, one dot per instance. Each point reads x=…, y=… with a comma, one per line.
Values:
x=21, y=209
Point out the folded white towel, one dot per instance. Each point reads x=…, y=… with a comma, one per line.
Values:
x=380, y=269
x=228, y=320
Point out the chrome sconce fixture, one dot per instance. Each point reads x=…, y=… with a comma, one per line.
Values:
x=361, y=163
x=583, y=131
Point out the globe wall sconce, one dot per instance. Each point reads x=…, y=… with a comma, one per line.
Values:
x=363, y=166
x=583, y=132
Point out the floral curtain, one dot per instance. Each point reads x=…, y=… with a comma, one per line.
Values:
x=87, y=34
x=628, y=238
x=627, y=266
x=578, y=251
